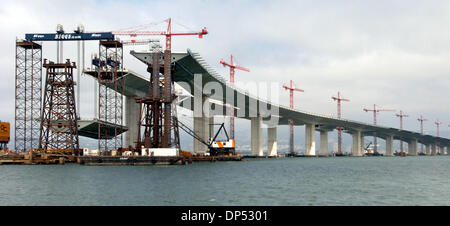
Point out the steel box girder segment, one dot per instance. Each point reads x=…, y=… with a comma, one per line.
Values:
x=89, y=128
x=69, y=36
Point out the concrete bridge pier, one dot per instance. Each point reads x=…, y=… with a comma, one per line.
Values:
x=363, y=146
x=310, y=141
x=323, y=143
x=256, y=136
x=272, y=146
x=201, y=128
x=389, y=146
x=433, y=149
x=211, y=127
x=357, y=144
x=412, y=147
x=201, y=123
x=131, y=120
x=428, y=149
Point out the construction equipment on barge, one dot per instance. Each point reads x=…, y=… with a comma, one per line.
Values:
x=4, y=135
x=221, y=150
x=58, y=133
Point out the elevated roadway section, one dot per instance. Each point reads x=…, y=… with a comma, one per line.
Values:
x=193, y=74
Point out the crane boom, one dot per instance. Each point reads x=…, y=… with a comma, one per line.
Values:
x=168, y=33
x=190, y=132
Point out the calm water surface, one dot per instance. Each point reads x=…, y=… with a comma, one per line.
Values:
x=421, y=180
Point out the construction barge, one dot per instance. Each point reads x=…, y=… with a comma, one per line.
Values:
x=12, y=158
x=36, y=159
x=112, y=160
x=148, y=160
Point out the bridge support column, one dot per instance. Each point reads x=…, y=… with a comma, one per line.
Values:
x=131, y=120
x=201, y=129
x=323, y=143
x=389, y=146
x=428, y=149
x=433, y=149
x=211, y=127
x=201, y=123
x=363, y=146
x=356, y=148
x=412, y=147
x=310, y=142
x=256, y=134
x=272, y=147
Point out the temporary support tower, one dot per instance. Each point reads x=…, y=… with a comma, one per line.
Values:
x=110, y=99
x=155, y=117
x=28, y=95
x=59, y=129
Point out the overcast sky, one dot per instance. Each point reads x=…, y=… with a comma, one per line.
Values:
x=395, y=54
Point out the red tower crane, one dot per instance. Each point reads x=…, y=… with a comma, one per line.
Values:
x=137, y=31
x=339, y=99
x=291, y=122
x=421, y=120
x=437, y=134
x=401, y=116
x=375, y=111
x=437, y=127
x=232, y=67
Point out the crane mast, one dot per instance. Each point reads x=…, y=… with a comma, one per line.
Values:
x=375, y=111
x=232, y=67
x=291, y=122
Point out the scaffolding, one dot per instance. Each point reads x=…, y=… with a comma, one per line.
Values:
x=110, y=98
x=28, y=95
x=59, y=127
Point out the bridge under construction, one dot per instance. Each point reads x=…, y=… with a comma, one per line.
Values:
x=144, y=107
x=189, y=64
